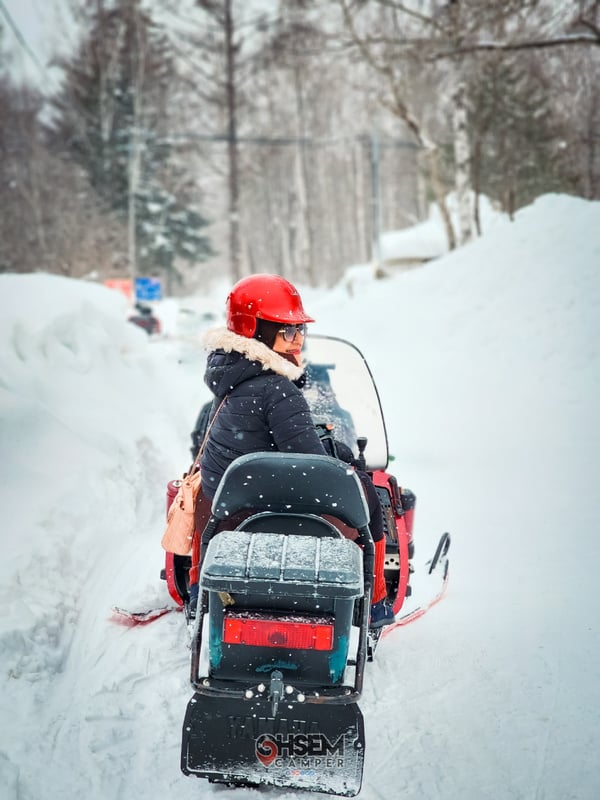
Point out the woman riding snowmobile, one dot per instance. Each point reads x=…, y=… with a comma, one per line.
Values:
x=255, y=372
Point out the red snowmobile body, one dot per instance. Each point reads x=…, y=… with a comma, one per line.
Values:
x=343, y=397
x=281, y=633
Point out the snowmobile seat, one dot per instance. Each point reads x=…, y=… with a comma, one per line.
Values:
x=299, y=524
x=312, y=484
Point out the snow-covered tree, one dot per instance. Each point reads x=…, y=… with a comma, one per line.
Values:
x=447, y=44
x=111, y=118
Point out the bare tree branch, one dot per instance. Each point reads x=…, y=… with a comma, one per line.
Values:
x=534, y=44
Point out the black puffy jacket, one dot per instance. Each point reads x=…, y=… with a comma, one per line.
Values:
x=264, y=409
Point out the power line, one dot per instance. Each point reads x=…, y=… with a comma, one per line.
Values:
x=188, y=138
x=20, y=37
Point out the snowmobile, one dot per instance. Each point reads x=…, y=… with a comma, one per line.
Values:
x=280, y=635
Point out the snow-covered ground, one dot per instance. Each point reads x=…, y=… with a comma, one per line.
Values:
x=488, y=365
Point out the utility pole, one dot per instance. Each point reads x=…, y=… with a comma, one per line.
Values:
x=376, y=203
x=135, y=149
x=232, y=147
x=133, y=181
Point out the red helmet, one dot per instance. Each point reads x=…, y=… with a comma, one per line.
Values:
x=261, y=296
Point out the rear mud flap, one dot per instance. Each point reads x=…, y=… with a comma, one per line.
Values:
x=306, y=746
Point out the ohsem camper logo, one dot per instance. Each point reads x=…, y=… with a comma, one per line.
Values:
x=302, y=750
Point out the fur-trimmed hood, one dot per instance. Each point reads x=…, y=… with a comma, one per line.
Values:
x=265, y=408
x=253, y=350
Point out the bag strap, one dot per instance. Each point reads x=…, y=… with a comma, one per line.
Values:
x=210, y=424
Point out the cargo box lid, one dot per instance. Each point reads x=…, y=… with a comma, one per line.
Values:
x=267, y=563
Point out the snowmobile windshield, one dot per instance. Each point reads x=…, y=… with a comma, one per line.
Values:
x=340, y=390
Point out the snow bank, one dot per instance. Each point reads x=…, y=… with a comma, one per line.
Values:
x=89, y=431
x=428, y=239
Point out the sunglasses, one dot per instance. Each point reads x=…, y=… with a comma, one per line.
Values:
x=289, y=331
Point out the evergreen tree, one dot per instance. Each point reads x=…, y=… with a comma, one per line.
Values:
x=516, y=137
x=112, y=116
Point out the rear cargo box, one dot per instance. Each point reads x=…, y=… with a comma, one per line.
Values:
x=278, y=575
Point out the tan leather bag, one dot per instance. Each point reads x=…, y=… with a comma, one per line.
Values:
x=179, y=532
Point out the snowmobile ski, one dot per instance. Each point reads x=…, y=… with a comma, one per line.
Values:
x=122, y=616
x=439, y=563
x=417, y=612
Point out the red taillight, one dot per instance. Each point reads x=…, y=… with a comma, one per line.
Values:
x=278, y=633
